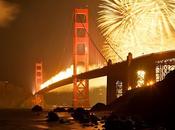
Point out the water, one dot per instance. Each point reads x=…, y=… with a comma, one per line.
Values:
x=27, y=120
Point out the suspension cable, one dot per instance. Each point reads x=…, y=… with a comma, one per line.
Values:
x=92, y=41
x=97, y=47
x=114, y=50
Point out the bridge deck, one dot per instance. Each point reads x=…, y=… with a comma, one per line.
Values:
x=118, y=68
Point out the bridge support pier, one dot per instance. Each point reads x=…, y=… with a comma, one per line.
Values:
x=121, y=76
x=38, y=99
x=111, y=89
x=80, y=58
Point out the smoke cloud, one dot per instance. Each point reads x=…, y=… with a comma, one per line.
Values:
x=8, y=12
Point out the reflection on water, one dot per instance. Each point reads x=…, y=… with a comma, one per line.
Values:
x=27, y=120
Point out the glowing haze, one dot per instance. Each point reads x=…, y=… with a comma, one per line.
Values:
x=137, y=26
x=7, y=12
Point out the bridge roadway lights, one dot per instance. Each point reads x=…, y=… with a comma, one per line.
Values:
x=126, y=72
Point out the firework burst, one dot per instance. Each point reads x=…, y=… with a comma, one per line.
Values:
x=137, y=26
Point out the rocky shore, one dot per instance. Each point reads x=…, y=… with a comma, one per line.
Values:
x=146, y=108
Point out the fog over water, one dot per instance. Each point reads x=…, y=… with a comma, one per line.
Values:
x=12, y=96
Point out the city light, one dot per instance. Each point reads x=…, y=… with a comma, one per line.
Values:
x=150, y=83
x=137, y=26
x=129, y=88
x=140, y=78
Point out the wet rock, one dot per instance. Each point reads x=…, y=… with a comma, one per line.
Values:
x=37, y=108
x=98, y=107
x=70, y=110
x=52, y=116
x=63, y=121
x=116, y=123
x=94, y=119
x=59, y=109
x=81, y=115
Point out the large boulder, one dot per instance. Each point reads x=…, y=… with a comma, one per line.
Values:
x=52, y=116
x=70, y=110
x=98, y=107
x=114, y=122
x=81, y=115
x=94, y=119
x=59, y=109
x=37, y=108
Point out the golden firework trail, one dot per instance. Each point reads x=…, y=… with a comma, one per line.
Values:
x=137, y=26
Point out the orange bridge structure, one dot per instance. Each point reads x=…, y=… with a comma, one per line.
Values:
x=129, y=74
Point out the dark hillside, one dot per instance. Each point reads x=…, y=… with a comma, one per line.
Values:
x=152, y=103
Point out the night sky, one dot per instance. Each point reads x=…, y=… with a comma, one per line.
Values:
x=40, y=30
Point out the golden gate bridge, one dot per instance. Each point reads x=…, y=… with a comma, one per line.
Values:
x=126, y=75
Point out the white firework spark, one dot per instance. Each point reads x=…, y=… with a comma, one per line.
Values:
x=137, y=26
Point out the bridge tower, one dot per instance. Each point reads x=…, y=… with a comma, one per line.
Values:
x=38, y=100
x=80, y=57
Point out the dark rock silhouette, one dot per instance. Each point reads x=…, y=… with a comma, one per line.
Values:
x=116, y=123
x=84, y=116
x=94, y=119
x=81, y=115
x=64, y=121
x=98, y=107
x=59, y=109
x=70, y=110
x=52, y=116
x=153, y=104
x=37, y=108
